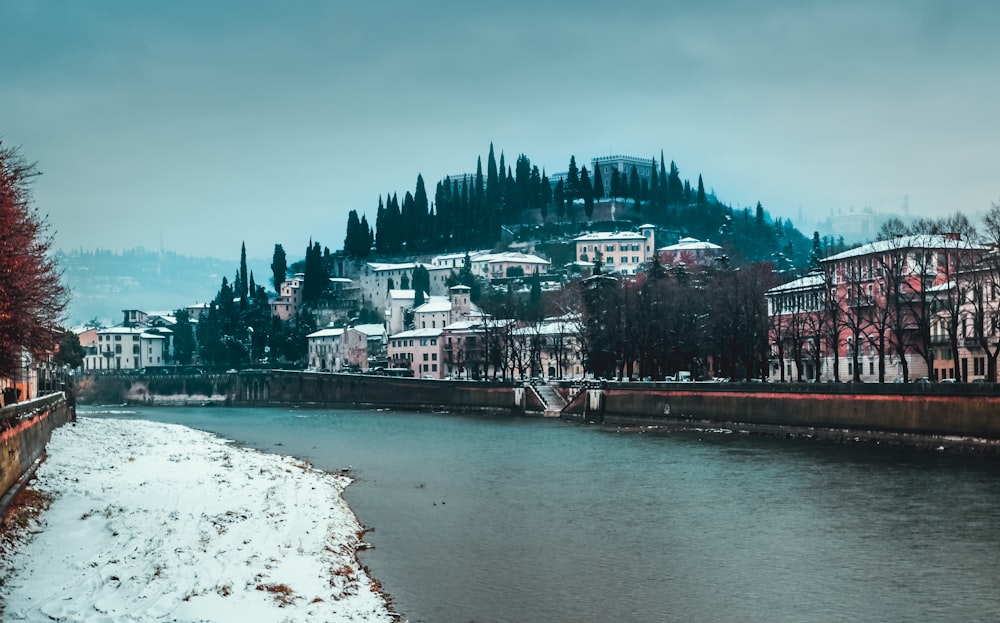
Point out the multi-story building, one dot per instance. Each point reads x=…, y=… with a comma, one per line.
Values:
x=869, y=316
x=421, y=350
x=324, y=349
x=361, y=344
x=623, y=165
x=289, y=299
x=690, y=251
x=126, y=348
x=623, y=252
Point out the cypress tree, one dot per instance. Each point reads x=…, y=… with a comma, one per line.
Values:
x=675, y=188
x=654, y=186
x=598, y=183
x=381, y=229
x=558, y=198
x=544, y=196
x=587, y=192
x=572, y=189
x=365, y=238
x=664, y=186
x=616, y=184
x=701, y=192
x=279, y=267
x=244, y=286
x=633, y=185
x=421, y=215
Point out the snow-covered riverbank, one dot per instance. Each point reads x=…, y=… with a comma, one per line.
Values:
x=156, y=522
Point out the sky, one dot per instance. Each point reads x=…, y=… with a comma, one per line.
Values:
x=201, y=125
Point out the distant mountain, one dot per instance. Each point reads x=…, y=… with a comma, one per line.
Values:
x=102, y=282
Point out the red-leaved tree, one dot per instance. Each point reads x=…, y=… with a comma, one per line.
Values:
x=32, y=297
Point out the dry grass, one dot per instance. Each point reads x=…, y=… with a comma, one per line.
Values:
x=22, y=515
x=282, y=593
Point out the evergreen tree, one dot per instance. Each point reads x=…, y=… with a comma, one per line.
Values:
x=675, y=188
x=616, y=184
x=702, y=200
x=572, y=189
x=598, y=188
x=279, y=267
x=381, y=229
x=184, y=342
x=664, y=185
x=351, y=239
x=633, y=185
x=816, y=254
x=654, y=186
x=244, y=286
x=559, y=201
x=545, y=193
x=421, y=284
x=421, y=213
x=587, y=193
x=365, y=239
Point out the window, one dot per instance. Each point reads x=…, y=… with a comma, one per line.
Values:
x=434, y=367
x=425, y=356
x=434, y=356
x=609, y=248
x=434, y=341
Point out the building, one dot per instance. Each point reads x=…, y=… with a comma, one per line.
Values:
x=126, y=348
x=377, y=279
x=623, y=252
x=439, y=311
x=324, y=350
x=870, y=314
x=289, y=299
x=645, y=168
x=420, y=350
x=690, y=252
x=361, y=345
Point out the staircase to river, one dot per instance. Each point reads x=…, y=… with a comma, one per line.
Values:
x=551, y=398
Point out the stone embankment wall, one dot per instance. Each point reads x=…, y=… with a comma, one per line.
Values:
x=324, y=389
x=278, y=387
x=25, y=428
x=936, y=410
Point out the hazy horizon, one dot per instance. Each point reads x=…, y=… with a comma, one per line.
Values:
x=203, y=125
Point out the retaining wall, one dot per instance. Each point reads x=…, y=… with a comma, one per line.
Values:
x=25, y=428
x=965, y=411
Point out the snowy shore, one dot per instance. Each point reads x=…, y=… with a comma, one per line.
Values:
x=158, y=522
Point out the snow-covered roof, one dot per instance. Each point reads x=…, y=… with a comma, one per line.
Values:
x=464, y=325
x=343, y=280
x=809, y=282
x=511, y=256
x=402, y=295
x=919, y=241
x=370, y=330
x=416, y=333
x=327, y=332
x=609, y=236
x=383, y=266
x=435, y=304
x=692, y=244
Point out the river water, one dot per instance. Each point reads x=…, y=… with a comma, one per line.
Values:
x=502, y=519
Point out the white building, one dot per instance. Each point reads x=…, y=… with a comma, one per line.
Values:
x=126, y=348
x=623, y=252
x=324, y=349
x=690, y=251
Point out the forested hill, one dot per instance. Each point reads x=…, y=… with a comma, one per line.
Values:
x=471, y=210
x=102, y=282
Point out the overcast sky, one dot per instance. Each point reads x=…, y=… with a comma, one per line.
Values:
x=208, y=123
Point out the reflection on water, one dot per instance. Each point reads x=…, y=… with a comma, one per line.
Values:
x=504, y=519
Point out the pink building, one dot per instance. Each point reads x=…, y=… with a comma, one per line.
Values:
x=421, y=350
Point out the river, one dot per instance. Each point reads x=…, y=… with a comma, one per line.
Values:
x=505, y=519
